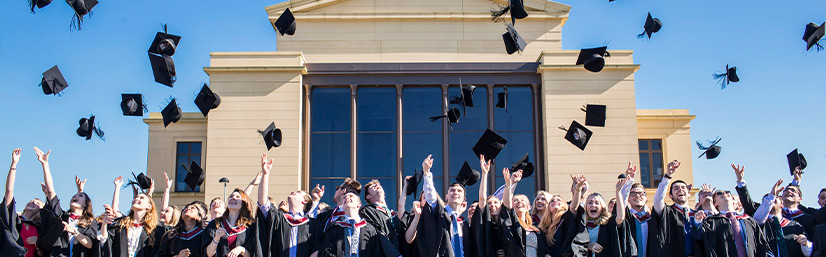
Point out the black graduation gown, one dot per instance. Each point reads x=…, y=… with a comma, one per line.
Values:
x=54, y=242
x=807, y=220
x=819, y=241
x=383, y=220
x=615, y=240
x=718, y=239
x=407, y=250
x=654, y=245
x=433, y=233
x=672, y=222
x=486, y=232
x=274, y=231
x=515, y=236
x=9, y=233
x=790, y=229
x=174, y=241
x=245, y=239
x=371, y=243
x=118, y=241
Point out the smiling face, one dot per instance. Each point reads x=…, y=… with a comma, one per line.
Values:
x=351, y=201
x=217, y=206
x=555, y=203
x=679, y=192
x=594, y=206
x=235, y=201
x=167, y=214
x=723, y=201
x=34, y=205
x=456, y=194
x=472, y=209
x=540, y=202
x=637, y=197
x=521, y=204
x=192, y=213
x=78, y=201
x=791, y=195
x=494, y=205
x=141, y=203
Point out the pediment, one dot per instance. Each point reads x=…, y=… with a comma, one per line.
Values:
x=366, y=8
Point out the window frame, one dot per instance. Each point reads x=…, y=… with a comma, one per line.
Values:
x=202, y=154
x=650, y=153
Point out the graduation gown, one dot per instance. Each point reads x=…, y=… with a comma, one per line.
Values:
x=674, y=226
x=274, y=231
x=433, y=233
x=486, y=233
x=245, y=237
x=174, y=241
x=615, y=240
x=383, y=220
x=407, y=250
x=371, y=242
x=54, y=242
x=654, y=243
x=118, y=241
x=9, y=233
x=790, y=229
x=717, y=237
x=819, y=241
x=804, y=216
x=516, y=237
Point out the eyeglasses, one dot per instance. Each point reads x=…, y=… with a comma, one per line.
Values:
x=640, y=193
x=722, y=192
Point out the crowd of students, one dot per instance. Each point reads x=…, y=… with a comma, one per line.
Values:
x=499, y=224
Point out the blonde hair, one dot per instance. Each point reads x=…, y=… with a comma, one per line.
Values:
x=605, y=215
x=176, y=216
x=525, y=220
x=550, y=220
x=547, y=198
x=150, y=220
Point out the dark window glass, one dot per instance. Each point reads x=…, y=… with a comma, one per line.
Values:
x=330, y=154
x=330, y=109
x=420, y=136
x=473, y=118
x=329, y=188
x=376, y=141
x=330, y=137
x=187, y=152
x=519, y=143
x=418, y=105
x=461, y=150
x=651, y=162
x=643, y=144
x=645, y=170
x=376, y=109
x=519, y=115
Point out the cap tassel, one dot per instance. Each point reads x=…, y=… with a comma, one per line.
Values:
x=563, y=128
x=641, y=35
x=497, y=12
x=435, y=118
x=99, y=132
x=722, y=79
x=33, y=3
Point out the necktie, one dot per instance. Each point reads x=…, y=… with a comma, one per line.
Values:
x=738, y=237
x=781, y=242
x=352, y=239
x=689, y=247
x=455, y=240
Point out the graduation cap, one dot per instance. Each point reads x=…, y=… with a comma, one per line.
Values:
x=711, y=151
x=171, y=113
x=39, y=3
x=796, y=160
x=593, y=58
x=143, y=181
x=164, y=44
x=207, y=100
x=413, y=182
x=516, y=8
x=465, y=98
x=452, y=116
x=513, y=41
x=132, y=104
x=53, y=81
x=502, y=100
x=489, y=144
x=813, y=34
x=467, y=176
x=81, y=7
x=272, y=136
x=729, y=76
x=285, y=24
x=578, y=135
x=594, y=115
x=194, y=175
x=88, y=127
x=652, y=25
x=524, y=165
x=163, y=68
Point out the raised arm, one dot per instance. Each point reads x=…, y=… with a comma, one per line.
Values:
x=116, y=195
x=9, y=196
x=47, y=173
x=263, y=191
x=619, y=206
x=630, y=173
x=749, y=206
x=165, y=200
x=410, y=233
x=428, y=189
x=762, y=213
x=659, y=196
x=255, y=181
x=579, y=183
x=507, y=196
x=316, y=194
x=483, y=184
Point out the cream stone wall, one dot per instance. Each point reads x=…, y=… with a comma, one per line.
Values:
x=161, y=157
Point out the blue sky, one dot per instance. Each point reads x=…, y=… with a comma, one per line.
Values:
x=775, y=108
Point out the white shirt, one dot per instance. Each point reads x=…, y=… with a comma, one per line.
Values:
x=133, y=235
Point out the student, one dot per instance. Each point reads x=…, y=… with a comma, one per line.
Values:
x=233, y=233
x=608, y=234
x=280, y=233
x=216, y=208
x=676, y=218
x=408, y=221
x=169, y=213
x=782, y=235
x=792, y=196
x=540, y=201
x=351, y=236
x=18, y=234
x=729, y=233
x=378, y=214
x=325, y=218
x=644, y=229
x=819, y=241
x=138, y=234
x=442, y=221
x=185, y=238
x=66, y=233
x=521, y=237
x=486, y=226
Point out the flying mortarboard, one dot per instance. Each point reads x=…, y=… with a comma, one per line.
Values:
x=285, y=24
x=513, y=41
x=81, y=7
x=813, y=35
x=796, y=160
x=489, y=145
x=516, y=8
x=163, y=68
x=39, y=4
x=578, y=135
x=194, y=175
x=143, y=181
x=502, y=99
x=594, y=115
x=465, y=98
x=171, y=113
x=452, y=116
x=467, y=176
x=164, y=44
x=711, y=151
x=413, y=182
x=652, y=25
x=272, y=136
x=729, y=76
x=524, y=165
x=53, y=81
x=207, y=100
x=593, y=58
x=88, y=127
x=132, y=104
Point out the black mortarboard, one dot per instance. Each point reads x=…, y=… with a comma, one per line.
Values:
x=53, y=81
x=163, y=68
x=207, y=100
x=171, y=113
x=593, y=58
x=88, y=127
x=465, y=98
x=132, y=104
x=467, y=176
x=578, y=135
x=502, y=99
x=652, y=25
x=729, y=76
x=194, y=175
x=813, y=34
x=452, y=115
x=513, y=41
x=272, y=136
x=524, y=165
x=711, y=151
x=796, y=160
x=489, y=145
x=285, y=24
x=413, y=182
x=516, y=9
x=39, y=3
x=164, y=44
x=142, y=180
x=594, y=115
x=81, y=7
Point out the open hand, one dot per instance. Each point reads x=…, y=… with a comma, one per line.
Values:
x=485, y=165
x=801, y=239
x=700, y=215
x=80, y=184
x=43, y=158
x=777, y=189
x=631, y=171
x=168, y=181
x=31, y=240
x=266, y=166
x=317, y=193
x=118, y=181
x=237, y=251
x=15, y=156
x=739, y=171
x=594, y=247
x=417, y=208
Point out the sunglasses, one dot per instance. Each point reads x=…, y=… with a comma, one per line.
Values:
x=722, y=192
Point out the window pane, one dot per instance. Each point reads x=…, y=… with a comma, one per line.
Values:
x=656, y=144
x=330, y=155
x=330, y=109
x=418, y=105
x=329, y=189
x=520, y=109
x=473, y=118
x=519, y=143
x=645, y=170
x=389, y=185
x=643, y=144
x=437, y=183
x=376, y=109
x=183, y=147
x=195, y=148
x=186, y=154
x=416, y=147
x=376, y=155
x=657, y=165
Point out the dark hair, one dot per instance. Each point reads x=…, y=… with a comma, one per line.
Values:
x=245, y=214
x=86, y=215
x=821, y=191
x=181, y=226
x=367, y=188
x=796, y=188
x=456, y=184
x=351, y=185
x=671, y=188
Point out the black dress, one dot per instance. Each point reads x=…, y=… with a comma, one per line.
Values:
x=54, y=242
x=371, y=243
x=240, y=236
x=717, y=237
x=174, y=241
x=615, y=240
x=118, y=241
x=275, y=229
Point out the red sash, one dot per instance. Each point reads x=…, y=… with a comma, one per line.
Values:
x=190, y=234
x=232, y=233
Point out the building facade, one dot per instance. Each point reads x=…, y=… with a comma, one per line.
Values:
x=354, y=89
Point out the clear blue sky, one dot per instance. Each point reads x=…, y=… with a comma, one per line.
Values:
x=775, y=108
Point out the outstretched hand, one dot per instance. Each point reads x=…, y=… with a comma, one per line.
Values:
x=777, y=189
x=168, y=181
x=672, y=167
x=15, y=156
x=80, y=184
x=317, y=193
x=739, y=171
x=43, y=158
x=631, y=171
x=266, y=165
x=118, y=182
x=485, y=165
x=427, y=164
